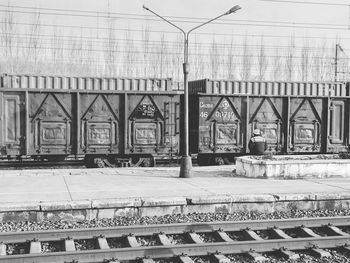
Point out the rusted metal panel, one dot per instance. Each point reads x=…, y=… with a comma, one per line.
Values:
x=265, y=113
x=273, y=88
x=51, y=124
x=219, y=125
x=44, y=82
x=99, y=123
x=12, y=139
x=338, y=112
x=305, y=125
x=152, y=124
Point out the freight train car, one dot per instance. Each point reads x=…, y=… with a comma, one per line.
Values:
x=294, y=117
x=107, y=120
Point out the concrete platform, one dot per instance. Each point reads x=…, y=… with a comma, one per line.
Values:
x=77, y=194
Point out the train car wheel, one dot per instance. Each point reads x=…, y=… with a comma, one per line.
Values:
x=219, y=161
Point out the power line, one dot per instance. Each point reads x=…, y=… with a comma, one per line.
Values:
x=237, y=22
x=305, y=3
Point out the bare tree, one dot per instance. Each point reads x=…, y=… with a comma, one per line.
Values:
x=7, y=37
x=34, y=47
x=129, y=55
x=230, y=60
x=305, y=61
x=277, y=66
x=263, y=62
x=56, y=51
x=214, y=59
x=320, y=62
x=196, y=59
x=177, y=58
x=289, y=62
x=246, y=67
x=146, y=50
x=110, y=50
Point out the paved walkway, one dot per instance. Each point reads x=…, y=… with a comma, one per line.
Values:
x=35, y=186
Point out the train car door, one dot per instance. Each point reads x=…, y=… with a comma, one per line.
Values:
x=12, y=124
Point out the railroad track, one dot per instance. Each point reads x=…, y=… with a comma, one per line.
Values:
x=180, y=241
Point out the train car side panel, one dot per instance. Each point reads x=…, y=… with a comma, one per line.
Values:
x=51, y=120
x=266, y=114
x=99, y=123
x=153, y=124
x=12, y=139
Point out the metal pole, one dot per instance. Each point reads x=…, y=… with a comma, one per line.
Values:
x=186, y=161
x=336, y=63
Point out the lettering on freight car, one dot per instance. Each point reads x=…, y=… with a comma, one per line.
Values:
x=147, y=109
x=205, y=105
x=305, y=134
x=54, y=133
x=100, y=135
x=145, y=135
x=226, y=134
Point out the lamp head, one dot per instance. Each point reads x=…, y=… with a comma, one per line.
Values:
x=233, y=9
x=145, y=7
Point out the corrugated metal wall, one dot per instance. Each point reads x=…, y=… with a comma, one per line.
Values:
x=85, y=83
x=273, y=88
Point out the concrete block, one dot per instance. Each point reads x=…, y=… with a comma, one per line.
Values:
x=65, y=205
x=218, y=258
x=257, y=257
x=132, y=241
x=163, y=239
x=279, y=233
x=163, y=201
x=193, y=238
x=292, y=166
x=69, y=245
x=222, y=236
x=2, y=249
x=35, y=247
x=102, y=243
x=13, y=207
x=320, y=253
x=251, y=235
x=116, y=203
x=185, y=259
x=287, y=254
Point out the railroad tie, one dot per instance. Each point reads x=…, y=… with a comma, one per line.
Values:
x=35, y=247
x=193, y=237
x=257, y=257
x=335, y=231
x=308, y=232
x=146, y=260
x=279, y=233
x=163, y=239
x=102, y=243
x=218, y=258
x=2, y=249
x=222, y=236
x=251, y=235
x=287, y=254
x=318, y=252
x=185, y=259
x=69, y=245
x=132, y=241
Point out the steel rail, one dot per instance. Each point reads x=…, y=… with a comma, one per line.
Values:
x=147, y=230
x=177, y=250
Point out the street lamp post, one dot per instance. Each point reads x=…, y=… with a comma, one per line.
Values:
x=186, y=162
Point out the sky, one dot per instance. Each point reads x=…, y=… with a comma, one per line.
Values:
x=274, y=21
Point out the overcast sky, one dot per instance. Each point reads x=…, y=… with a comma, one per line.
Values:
x=274, y=21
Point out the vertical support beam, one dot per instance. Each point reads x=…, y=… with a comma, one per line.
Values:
x=1, y=119
x=27, y=122
x=126, y=123
x=287, y=125
x=325, y=131
x=78, y=122
x=247, y=133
